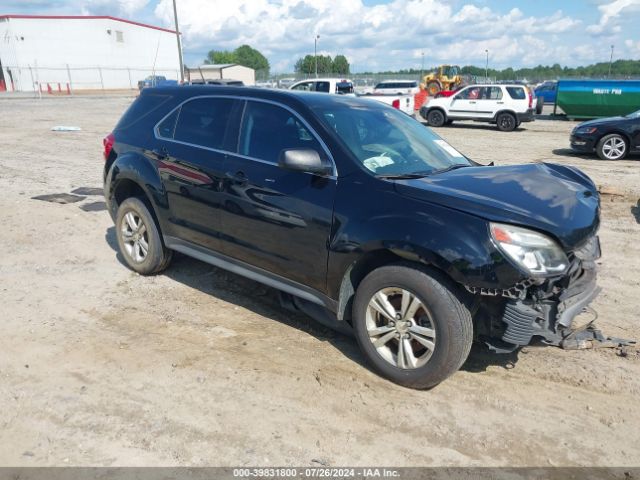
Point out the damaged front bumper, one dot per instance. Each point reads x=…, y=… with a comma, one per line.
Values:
x=546, y=310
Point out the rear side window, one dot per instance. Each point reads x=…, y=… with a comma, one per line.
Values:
x=144, y=105
x=268, y=129
x=322, y=87
x=204, y=122
x=517, y=93
x=492, y=93
x=168, y=125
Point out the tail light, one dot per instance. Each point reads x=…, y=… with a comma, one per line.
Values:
x=530, y=98
x=108, y=142
x=396, y=104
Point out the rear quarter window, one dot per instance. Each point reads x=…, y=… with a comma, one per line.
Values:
x=517, y=93
x=141, y=108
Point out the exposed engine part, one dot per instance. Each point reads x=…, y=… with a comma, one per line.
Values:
x=519, y=290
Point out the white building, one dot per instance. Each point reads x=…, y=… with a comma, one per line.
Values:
x=82, y=52
x=229, y=71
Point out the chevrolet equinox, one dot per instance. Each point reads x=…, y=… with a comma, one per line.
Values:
x=359, y=216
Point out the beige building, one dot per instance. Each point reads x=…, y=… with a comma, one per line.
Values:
x=229, y=71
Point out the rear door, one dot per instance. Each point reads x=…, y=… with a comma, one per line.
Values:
x=277, y=219
x=464, y=103
x=193, y=142
x=489, y=102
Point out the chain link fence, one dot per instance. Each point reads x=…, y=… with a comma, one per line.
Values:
x=69, y=80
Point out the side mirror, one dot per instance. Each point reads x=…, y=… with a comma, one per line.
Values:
x=303, y=160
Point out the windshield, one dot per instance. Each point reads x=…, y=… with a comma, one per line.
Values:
x=388, y=142
x=635, y=114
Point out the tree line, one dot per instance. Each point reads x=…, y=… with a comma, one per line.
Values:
x=619, y=69
x=253, y=58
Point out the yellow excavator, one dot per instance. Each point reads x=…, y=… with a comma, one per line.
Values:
x=445, y=78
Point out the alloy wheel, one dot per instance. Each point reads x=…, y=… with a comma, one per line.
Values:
x=614, y=148
x=135, y=237
x=401, y=328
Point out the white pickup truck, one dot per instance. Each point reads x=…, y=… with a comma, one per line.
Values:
x=341, y=86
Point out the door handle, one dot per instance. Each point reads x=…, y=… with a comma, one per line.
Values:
x=500, y=103
x=160, y=154
x=472, y=101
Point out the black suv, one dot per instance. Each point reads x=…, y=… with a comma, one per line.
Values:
x=361, y=216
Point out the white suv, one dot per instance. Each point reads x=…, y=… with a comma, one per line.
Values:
x=505, y=105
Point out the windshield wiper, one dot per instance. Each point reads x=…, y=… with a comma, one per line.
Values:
x=401, y=176
x=449, y=168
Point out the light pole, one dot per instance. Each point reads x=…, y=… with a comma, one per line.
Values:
x=610, y=62
x=486, y=67
x=422, y=67
x=315, y=52
x=175, y=18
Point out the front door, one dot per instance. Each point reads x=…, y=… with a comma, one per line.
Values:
x=190, y=156
x=463, y=104
x=273, y=218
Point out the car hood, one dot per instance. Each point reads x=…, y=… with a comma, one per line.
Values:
x=556, y=199
x=600, y=121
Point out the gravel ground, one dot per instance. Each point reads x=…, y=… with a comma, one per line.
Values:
x=99, y=366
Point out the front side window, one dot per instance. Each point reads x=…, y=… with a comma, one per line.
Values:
x=471, y=93
x=204, y=122
x=268, y=129
x=388, y=142
x=306, y=86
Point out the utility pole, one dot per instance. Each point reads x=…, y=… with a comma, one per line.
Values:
x=486, y=67
x=175, y=17
x=315, y=51
x=610, y=62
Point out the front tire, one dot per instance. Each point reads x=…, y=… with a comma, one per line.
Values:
x=139, y=238
x=435, y=118
x=411, y=325
x=506, y=122
x=612, y=147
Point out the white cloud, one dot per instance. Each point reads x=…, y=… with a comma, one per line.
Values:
x=609, y=14
x=125, y=8
x=384, y=36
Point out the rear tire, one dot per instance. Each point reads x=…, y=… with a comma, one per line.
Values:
x=435, y=118
x=139, y=238
x=539, y=105
x=506, y=122
x=612, y=147
x=435, y=334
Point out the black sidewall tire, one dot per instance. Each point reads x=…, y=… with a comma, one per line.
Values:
x=451, y=318
x=435, y=118
x=158, y=256
x=600, y=151
x=510, y=126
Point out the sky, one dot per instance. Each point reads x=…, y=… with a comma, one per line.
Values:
x=378, y=35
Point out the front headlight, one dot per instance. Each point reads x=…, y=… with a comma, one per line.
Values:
x=585, y=130
x=535, y=253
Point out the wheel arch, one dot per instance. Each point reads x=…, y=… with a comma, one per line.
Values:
x=505, y=110
x=134, y=176
x=381, y=257
x=616, y=131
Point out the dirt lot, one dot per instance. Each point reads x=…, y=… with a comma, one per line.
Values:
x=99, y=366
